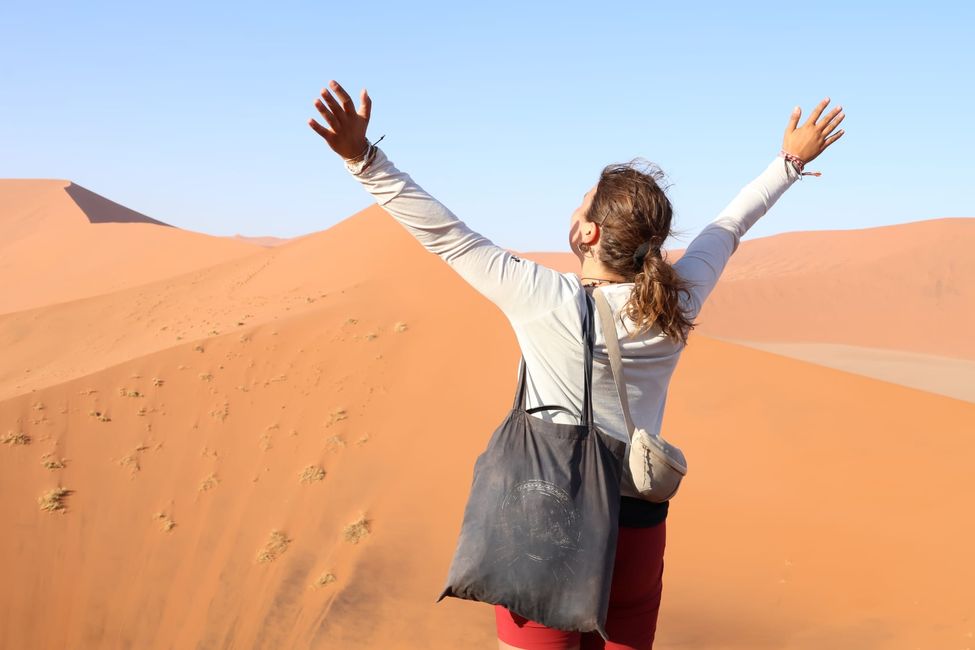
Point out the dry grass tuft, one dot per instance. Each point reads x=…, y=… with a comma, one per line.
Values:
x=156, y=381
x=209, y=482
x=311, y=473
x=49, y=462
x=336, y=415
x=400, y=326
x=18, y=438
x=165, y=521
x=334, y=442
x=326, y=578
x=221, y=412
x=53, y=500
x=357, y=530
x=276, y=545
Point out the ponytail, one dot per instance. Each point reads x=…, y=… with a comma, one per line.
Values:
x=656, y=299
x=635, y=215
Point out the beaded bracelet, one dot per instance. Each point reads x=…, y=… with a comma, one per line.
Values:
x=799, y=163
x=360, y=162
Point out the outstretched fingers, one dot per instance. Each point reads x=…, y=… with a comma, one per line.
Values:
x=833, y=138
x=814, y=116
x=321, y=130
x=347, y=105
x=793, y=120
x=833, y=122
x=333, y=106
x=329, y=116
x=365, y=105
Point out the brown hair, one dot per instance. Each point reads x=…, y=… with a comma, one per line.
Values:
x=631, y=209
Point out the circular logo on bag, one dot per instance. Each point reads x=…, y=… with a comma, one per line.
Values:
x=541, y=520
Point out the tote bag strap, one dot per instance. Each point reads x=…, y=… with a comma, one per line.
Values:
x=613, y=348
x=588, y=339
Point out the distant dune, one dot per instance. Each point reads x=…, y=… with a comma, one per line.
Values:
x=60, y=242
x=267, y=242
x=895, y=303
x=271, y=445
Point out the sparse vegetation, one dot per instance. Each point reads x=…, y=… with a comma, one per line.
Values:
x=311, y=473
x=130, y=462
x=53, y=500
x=206, y=376
x=336, y=415
x=363, y=439
x=400, y=326
x=156, y=381
x=101, y=417
x=209, y=482
x=198, y=348
x=48, y=461
x=276, y=545
x=357, y=530
x=325, y=579
x=334, y=442
x=15, y=438
x=165, y=521
x=221, y=412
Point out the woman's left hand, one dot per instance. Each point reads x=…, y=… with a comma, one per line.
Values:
x=347, y=136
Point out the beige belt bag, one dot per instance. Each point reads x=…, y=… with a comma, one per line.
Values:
x=655, y=466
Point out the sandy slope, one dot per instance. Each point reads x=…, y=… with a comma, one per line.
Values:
x=895, y=303
x=61, y=242
x=807, y=520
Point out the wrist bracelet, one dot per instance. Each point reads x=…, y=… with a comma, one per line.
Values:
x=799, y=164
x=359, y=163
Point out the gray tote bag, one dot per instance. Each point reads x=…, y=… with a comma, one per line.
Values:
x=541, y=521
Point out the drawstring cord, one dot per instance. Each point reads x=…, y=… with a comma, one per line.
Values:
x=799, y=163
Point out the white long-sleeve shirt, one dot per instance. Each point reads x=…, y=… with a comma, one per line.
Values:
x=545, y=309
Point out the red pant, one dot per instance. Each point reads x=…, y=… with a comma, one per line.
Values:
x=633, y=602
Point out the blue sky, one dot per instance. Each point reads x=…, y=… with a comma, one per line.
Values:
x=195, y=113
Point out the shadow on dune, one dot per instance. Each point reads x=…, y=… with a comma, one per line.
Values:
x=98, y=209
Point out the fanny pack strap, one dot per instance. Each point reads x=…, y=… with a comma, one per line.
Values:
x=613, y=347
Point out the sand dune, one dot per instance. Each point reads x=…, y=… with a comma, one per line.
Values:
x=894, y=303
x=274, y=450
x=61, y=242
x=267, y=242
x=52, y=344
x=942, y=375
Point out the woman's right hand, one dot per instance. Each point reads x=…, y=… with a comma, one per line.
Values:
x=811, y=139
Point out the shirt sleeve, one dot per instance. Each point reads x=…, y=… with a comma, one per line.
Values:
x=707, y=255
x=521, y=288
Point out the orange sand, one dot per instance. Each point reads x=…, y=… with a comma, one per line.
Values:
x=823, y=508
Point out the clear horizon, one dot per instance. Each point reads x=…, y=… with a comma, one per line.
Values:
x=196, y=115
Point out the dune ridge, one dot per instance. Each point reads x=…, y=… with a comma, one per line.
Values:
x=274, y=448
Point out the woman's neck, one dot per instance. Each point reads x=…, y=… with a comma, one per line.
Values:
x=596, y=274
